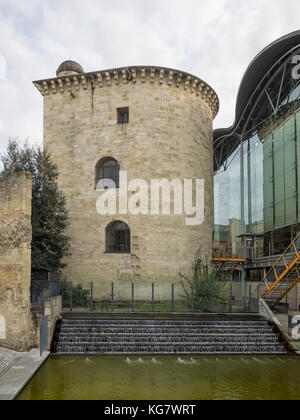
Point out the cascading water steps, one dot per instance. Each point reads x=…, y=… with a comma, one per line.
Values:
x=149, y=337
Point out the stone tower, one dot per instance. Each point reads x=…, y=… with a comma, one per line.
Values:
x=153, y=122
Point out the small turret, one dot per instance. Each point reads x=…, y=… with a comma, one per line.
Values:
x=69, y=68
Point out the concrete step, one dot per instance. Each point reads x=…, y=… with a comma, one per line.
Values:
x=165, y=339
x=164, y=330
x=100, y=316
x=171, y=349
x=167, y=336
x=159, y=323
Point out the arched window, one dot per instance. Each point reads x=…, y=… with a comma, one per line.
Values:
x=108, y=168
x=118, y=238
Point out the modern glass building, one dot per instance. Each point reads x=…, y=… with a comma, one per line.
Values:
x=257, y=160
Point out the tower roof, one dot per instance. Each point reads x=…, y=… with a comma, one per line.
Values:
x=69, y=66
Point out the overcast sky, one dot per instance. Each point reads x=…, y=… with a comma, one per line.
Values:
x=215, y=40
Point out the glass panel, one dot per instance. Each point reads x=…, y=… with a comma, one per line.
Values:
x=271, y=173
x=298, y=157
x=257, y=185
x=228, y=204
x=268, y=184
x=290, y=171
x=279, y=178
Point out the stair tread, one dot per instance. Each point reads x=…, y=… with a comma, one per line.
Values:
x=173, y=344
x=167, y=337
x=170, y=335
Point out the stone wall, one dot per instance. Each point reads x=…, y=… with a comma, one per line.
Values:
x=15, y=263
x=169, y=135
x=52, y=309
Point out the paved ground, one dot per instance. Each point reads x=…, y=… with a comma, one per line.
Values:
x=284, y=320
x=16, y=370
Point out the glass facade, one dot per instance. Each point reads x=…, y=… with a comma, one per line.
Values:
x=257, y=189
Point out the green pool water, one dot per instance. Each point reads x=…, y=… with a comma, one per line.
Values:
x=166, y=378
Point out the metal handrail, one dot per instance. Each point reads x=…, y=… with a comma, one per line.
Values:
x=233, y=252
x=282, y=257
x=279, y=275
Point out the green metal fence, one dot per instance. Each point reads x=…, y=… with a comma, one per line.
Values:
x=76, y=298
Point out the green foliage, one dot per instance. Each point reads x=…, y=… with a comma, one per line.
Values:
x=206, y=285
x=50, y=220
x=80, y=296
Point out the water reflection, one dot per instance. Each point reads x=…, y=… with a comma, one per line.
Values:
x=196, y=378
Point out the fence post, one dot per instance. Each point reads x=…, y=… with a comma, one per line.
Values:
x=92, y=296
x=173, y=298
x=193, y=300
x=51, y=288
x=43, y=335
x=230, y=300
x=71, y=296
x=153, y=297
x=132, y=297
x=41, y=303
x=250, y=297
x=212, y=297
x=62, y=299
x=112, y=296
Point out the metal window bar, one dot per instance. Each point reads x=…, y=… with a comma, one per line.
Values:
x=109, y=169
x=113, y=247
x=118, y=239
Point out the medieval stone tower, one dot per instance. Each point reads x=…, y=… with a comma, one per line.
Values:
x=155, y=123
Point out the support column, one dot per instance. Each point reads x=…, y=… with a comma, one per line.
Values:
x=243, y=231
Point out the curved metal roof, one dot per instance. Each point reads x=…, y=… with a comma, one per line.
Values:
x=256, y=76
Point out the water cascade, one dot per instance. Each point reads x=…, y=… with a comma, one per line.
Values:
x=142, y=337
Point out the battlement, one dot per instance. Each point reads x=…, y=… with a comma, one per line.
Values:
x=72, y=82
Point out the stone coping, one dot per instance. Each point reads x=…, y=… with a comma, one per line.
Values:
x=125, y=75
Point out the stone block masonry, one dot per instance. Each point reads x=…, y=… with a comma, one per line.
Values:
x=169, y=136
x=16, y=326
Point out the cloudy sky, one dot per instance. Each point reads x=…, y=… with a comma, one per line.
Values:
x=215, y=40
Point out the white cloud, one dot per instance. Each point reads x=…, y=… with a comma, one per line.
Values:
x=214, y=40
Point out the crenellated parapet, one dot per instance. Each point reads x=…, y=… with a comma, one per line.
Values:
x=70, y=82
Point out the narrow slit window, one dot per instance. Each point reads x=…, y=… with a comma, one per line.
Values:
x=123, y=115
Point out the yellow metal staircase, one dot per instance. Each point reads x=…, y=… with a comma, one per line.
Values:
x=284, y=275
x=227, y=260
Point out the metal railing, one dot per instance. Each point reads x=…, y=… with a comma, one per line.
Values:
x=280, y=271
x=44, y=285
x=131, y=302
x=233, y=253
